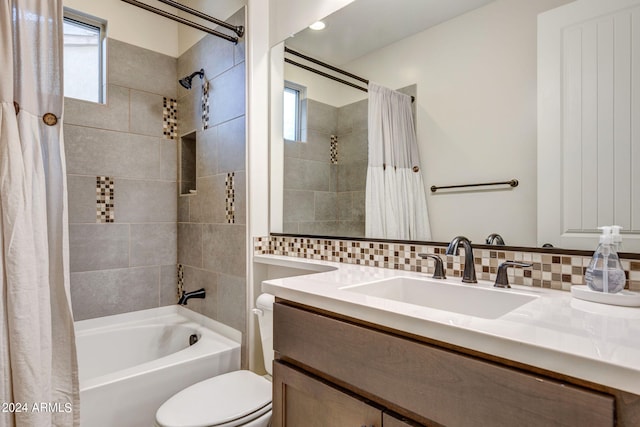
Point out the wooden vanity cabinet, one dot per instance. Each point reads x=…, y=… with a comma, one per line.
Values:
x=331, y=371
x=311, y=402
x=306, y=401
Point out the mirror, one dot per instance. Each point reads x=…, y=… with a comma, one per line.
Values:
x=473, y=73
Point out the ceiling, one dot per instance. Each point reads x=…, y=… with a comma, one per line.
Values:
x=367, y=25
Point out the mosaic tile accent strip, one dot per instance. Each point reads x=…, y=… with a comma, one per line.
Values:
x=548, y=271
x=205, y=104
x=180, y=280
x=230, y=199
x=105, y=192
x=334, y=149
x=170, y=118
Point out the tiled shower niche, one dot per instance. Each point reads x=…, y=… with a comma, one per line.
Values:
x=187, y=155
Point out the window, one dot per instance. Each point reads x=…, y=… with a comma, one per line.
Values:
x=83, y=57
x=294, y=111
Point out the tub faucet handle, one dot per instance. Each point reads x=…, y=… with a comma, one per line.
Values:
x=186, y=296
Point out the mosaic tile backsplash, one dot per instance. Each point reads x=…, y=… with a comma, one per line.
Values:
x=549, y=270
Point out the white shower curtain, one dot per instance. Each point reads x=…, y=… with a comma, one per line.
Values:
x=38, y=367
x=396, y=206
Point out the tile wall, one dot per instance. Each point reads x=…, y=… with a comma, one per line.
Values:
x=549, y=270
x=212, y=222
x=325, y=176
x=121, y=171
x=310, y=174
x=352, y=167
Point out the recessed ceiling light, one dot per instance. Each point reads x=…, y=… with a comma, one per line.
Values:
x=319, y=25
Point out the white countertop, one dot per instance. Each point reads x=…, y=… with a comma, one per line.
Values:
x=587, y=340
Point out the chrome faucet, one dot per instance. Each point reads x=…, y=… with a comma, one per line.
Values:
x=469, y=273
x=495, y=239
x=200, y=293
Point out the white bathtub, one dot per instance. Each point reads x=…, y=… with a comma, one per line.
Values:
x=129, y=364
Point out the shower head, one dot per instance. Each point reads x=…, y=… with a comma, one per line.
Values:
x=186, y=81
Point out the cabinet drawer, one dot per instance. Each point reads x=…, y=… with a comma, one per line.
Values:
x=435, y=384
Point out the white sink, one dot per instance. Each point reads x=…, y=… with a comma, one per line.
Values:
x=472, y=300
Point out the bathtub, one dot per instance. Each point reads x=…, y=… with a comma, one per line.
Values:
x=129, y=364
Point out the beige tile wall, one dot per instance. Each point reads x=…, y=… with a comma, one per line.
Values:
x=123, y=247
x=211, y=222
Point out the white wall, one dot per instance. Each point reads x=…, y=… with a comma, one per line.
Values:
x=138, y=27
x=323, y=89
x=287, y=17
x=133, y=25
x=220, y=9
x=476, y=115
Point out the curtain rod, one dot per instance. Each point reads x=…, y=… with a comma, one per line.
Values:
x=325, y=65
x=238, y=30
x=330, y=67
x=323, y=74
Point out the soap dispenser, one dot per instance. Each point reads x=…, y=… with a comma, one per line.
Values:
x=616, y=237
x=605, y=273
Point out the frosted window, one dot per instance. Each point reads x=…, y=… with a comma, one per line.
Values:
x=291, y=114
x=294, y=112
x=83, y=69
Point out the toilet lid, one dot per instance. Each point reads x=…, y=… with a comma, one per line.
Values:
x=216, y=401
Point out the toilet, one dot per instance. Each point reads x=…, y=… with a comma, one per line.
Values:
x=239, y=398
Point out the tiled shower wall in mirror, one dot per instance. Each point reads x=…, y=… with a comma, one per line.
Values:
x=321, y=173
x=121, y=171
x=325, y=175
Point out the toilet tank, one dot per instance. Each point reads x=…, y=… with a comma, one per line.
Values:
x=264, y=311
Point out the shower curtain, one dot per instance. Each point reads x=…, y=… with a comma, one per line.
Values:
x=38, y=367
x=396, y=206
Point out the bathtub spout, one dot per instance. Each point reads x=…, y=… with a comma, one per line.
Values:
x=200, y=293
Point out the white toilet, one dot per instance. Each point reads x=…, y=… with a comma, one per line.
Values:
x=239, y=398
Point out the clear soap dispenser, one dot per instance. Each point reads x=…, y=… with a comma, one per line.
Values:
x=616, y=237
x=605, y=273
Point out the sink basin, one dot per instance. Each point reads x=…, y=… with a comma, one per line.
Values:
x=471, y=300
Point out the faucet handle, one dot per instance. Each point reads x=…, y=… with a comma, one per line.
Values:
x=439, y=268
x=502, y=280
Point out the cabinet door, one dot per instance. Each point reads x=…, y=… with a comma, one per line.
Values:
x=589, y=122
x=300, y=400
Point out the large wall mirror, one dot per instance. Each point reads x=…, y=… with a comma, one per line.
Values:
x=471, y=66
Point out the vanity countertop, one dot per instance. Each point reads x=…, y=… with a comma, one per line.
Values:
x=586, y=340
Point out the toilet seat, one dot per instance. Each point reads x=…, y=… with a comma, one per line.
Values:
x=227, y=400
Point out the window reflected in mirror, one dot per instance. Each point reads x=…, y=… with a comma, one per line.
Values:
x=294, y=112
